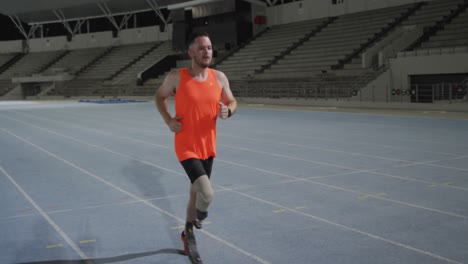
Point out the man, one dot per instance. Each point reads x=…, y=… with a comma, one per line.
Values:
x=201, y=95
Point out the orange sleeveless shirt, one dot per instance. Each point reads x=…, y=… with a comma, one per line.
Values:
x=197, y=103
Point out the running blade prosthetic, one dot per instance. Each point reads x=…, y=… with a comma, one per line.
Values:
x=190, y=246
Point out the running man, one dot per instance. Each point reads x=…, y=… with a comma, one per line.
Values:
x=201, y=95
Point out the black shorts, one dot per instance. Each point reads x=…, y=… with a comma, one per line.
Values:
x=197, y=167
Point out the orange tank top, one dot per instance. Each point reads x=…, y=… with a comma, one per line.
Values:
x=197, y=103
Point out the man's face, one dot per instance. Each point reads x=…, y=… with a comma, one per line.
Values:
x=201, y=51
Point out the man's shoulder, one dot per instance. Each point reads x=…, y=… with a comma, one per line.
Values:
x=174, y=74
x=173, y=78
x=219, y=74
x=217, y=71
x=175, y=71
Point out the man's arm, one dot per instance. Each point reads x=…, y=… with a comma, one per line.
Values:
x=165, y=90
x=228, y=98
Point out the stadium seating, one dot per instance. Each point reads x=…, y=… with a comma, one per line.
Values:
x=75, y=60
x=333, y=43
x=453, y=34
x=314, y=58
x=119, y=59
x=265, y=48
x=4, y=58
x=29, y=64
x=432, y=12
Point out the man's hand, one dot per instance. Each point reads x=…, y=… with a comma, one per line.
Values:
x=223, y=111
x=174, y=124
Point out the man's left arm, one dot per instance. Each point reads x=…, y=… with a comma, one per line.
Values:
x=229, y=104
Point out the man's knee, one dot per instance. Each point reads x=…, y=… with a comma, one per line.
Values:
x=206, y=195
x=204, y=192
x=204, y=199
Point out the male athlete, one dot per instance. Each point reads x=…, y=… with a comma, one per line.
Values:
x=201, y=95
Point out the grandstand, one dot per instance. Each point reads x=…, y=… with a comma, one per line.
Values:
x=336, y=54
x=346, y=145
x=453, y=34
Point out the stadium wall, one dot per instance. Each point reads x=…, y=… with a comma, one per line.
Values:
x=90, y=40
x=305, y=10
x=402, y=68
x=11, y=46
x=47, y=44
x=258, y=10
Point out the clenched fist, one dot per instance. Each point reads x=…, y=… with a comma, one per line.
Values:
x=223, y=111
x=174, y=124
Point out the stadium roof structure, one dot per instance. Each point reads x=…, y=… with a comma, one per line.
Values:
x=53, y=11
x=36, y=13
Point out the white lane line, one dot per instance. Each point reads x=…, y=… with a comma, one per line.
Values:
x=301, y=146
x=69, y=241
x=360, y=193
x=93, y=130
x=409, y=163
x=289, y=157
x=151, y=132
x=415, y=180
x=96, y=206
x=253, y=168
x=351, y=229
x=448, y=167
x=422, y=252
x=354, y=141
x=263, y=132
x=100, y=147
x=376, y=172
x=315, y=148
x=282, y=143
x=238, y=249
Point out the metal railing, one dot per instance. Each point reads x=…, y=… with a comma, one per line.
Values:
x=417, y=93
x=296, y=90
x=440, y=92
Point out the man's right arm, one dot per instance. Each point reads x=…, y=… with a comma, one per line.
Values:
x=165, y=90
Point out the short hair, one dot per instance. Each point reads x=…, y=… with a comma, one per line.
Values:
x=195, y=35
